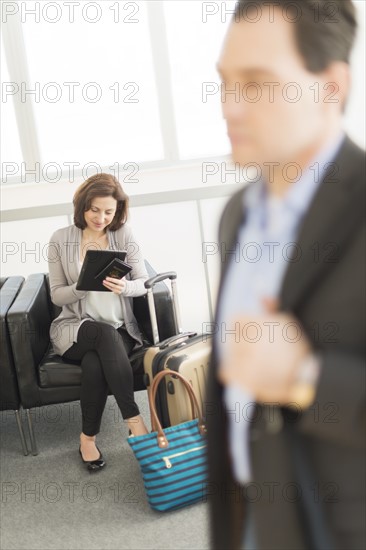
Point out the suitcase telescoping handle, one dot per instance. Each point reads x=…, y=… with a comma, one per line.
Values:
x=149, y=284
x=177, y=339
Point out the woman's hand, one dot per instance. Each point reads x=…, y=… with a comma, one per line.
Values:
x=115, y=285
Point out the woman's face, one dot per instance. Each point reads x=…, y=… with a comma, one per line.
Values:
x=100, y=214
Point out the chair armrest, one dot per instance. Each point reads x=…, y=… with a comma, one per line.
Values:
x=29, y=322
x=9, y=394
x=9, y=289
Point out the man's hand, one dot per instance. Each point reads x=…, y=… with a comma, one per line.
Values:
x=266, y=360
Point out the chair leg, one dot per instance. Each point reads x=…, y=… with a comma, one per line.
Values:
x=31, y=433
x=21, y=433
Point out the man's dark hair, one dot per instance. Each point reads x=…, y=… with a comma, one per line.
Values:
x=325, y=30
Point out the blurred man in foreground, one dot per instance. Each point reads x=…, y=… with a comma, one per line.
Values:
x=286, y=415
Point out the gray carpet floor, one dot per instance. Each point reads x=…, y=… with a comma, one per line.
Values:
x=51, y=502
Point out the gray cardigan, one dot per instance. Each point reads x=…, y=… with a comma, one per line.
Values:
x=63, y=264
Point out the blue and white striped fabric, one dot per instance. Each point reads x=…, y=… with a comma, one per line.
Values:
x=175, y=476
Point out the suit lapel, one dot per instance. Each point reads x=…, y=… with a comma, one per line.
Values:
x=334, y=213
x=228, y=236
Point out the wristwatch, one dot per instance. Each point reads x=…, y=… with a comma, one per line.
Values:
x=304, y=388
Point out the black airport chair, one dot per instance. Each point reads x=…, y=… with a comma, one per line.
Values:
x=44, y=377
x=9, y=392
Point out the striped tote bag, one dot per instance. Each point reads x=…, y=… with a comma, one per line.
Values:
x=173, y=461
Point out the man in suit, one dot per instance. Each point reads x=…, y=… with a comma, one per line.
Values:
x=286, y=392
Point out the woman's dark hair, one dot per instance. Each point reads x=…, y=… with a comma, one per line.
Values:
x=325, y=31
x=100, y=185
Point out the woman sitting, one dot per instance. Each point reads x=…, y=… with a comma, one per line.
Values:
x=98, y=328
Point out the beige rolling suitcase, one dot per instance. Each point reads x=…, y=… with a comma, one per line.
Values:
x=186, y=353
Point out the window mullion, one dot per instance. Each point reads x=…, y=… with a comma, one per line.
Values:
x=160, y=55
x=14, y=49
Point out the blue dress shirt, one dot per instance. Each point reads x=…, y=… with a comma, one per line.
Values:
x=266, y=241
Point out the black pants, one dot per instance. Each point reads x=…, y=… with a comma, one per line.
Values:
x=103, y=351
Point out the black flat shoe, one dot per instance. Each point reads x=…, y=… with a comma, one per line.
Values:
x=94, y=465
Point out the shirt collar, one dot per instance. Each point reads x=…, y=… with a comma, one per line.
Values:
x=299, y=195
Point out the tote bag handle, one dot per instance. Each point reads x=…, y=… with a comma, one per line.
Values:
x=155, y=423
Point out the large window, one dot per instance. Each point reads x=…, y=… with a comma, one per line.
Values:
x=114, y=82
x=97, y=94
x=195, y=35
x=10, y=144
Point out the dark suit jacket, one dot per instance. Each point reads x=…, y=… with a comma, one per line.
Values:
x=308, y=488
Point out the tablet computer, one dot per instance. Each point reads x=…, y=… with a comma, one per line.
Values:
x=95, y=262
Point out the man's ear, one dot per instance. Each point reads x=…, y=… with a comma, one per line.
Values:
x=336, y=80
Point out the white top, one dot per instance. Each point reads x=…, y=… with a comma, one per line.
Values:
x=104, y=306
